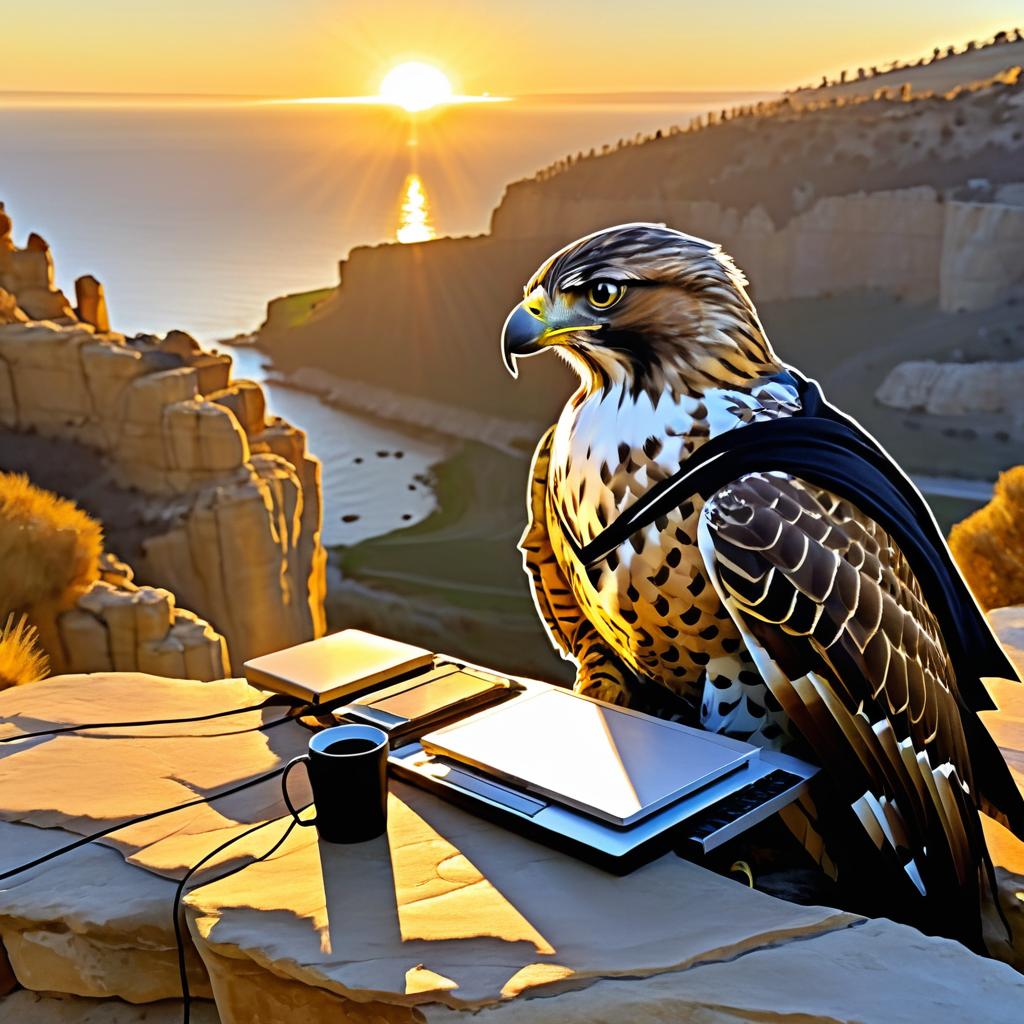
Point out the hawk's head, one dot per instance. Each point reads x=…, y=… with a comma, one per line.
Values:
x=643, y=306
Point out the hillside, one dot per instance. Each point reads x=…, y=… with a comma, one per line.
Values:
x=943, y=70
x=780, y=186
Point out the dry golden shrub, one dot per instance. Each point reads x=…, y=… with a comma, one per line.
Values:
x=21, y=660
x=989, y=544
x=49, y=548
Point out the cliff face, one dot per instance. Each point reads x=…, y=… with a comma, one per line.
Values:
x=438, y=336
x=230, y=499
x=909, y=242
x=812, y=201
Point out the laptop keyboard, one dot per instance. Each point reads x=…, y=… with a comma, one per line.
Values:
x=740, y=803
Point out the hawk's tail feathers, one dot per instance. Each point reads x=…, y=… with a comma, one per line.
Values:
x=996, y=790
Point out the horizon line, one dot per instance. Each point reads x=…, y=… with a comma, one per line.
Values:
x=380, y=101
x=368, y=100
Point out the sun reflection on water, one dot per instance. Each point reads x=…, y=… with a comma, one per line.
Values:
x=414, y=215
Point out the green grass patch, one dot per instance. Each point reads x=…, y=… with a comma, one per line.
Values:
x=464, y=553
x=293, y=310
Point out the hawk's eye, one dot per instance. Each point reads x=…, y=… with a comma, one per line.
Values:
x=602, y=294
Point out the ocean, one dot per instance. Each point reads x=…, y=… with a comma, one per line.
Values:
x=194, y=216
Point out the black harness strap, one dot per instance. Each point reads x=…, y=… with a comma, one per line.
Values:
x=824, y=447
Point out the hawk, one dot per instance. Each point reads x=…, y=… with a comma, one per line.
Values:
x=776, y=610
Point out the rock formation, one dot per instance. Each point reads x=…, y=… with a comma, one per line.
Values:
x=118, y=626
x=28, y=274
x=955, y=389
x=906, y=242
x=237, y=490
x=92, y=303
x=462, y=914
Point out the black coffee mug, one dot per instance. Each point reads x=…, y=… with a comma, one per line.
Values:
x=347, y=766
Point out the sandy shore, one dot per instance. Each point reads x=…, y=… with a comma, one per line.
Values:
x=506, y=435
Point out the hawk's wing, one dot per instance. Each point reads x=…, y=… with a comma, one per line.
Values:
x=599, y=672
x=837, y=625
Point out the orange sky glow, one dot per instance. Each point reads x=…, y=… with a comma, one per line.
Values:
x=327, y=47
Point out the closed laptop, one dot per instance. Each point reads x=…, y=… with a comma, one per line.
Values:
x=339, y=665
x=615, y=764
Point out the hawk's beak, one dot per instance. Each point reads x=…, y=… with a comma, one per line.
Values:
x=523, y=335
x=536, y=323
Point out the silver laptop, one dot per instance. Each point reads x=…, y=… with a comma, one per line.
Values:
x=612, y=763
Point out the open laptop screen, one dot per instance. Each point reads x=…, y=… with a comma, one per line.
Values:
x=617, y=765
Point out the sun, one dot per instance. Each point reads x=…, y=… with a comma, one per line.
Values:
x=415, y=86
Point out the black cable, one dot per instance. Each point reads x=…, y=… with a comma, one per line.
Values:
x=262, y=727
x=179, y=891
x=85, y=840
x=186, y=996
x=269, y=702
x=102, y=833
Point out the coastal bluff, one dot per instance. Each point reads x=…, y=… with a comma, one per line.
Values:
x=206, y=496
x=915, y=196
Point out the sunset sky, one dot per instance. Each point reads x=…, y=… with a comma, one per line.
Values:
x=330, y=47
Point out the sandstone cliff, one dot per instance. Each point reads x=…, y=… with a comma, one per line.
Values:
x=918, y=198
x=230, y=497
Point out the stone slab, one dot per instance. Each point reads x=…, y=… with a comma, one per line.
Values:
x=447, y=911
x=875, y=973
x=83, y=782
x=33, y=1008
x=450, y=908
x=467, y=908
x=89, y=924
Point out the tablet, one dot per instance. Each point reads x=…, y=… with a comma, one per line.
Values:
x=609, y=762
x=427, y=700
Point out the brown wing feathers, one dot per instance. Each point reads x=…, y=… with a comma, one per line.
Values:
x=789, y=562
x=859, y=665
